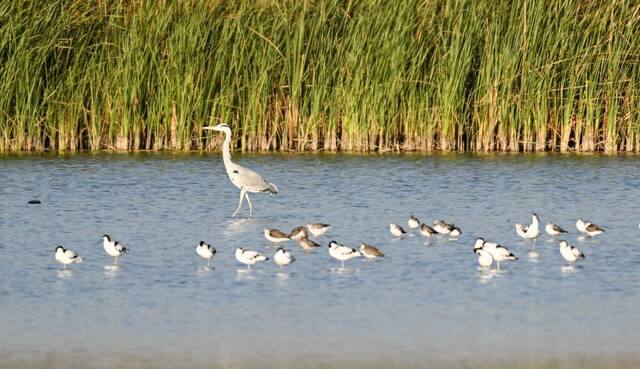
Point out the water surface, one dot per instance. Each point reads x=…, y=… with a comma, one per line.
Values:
x=425, y=305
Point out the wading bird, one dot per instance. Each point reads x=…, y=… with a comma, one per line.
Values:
x=66, y=256
x=205, y=251
x=243, y=178
x=570, y=253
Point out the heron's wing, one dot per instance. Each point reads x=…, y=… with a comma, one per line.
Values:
x=250, y=180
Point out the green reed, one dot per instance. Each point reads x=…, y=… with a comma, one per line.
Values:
x=559, y=75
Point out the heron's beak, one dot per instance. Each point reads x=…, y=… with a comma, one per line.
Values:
x=211, y=128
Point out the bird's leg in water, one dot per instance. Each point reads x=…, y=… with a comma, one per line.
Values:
x=249, y=201
x=243, y=192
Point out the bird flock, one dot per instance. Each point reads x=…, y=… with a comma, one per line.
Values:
x=488, y=252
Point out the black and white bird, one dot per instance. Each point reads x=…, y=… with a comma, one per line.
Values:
x=298, y=233
x=114, y=249
x=426, y=231
x=591, y=229
x=341, y=252
x=205, y=251
x=308, y=244
x=66, y=256
x=570, y=253
x=370, y=252
x=446, y=229
x=413, y=222
x=249, y=257
x=396, y=230
x=531, y=231
x=283, y=257
x=498, y=252
x=318, y=229
x=554, y=229
x=275, y=235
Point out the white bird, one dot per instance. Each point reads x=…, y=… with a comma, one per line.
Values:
x=298, y=233
x=531, y=231
x=66, y=256
x=498, y=252
x=113, y=248
x=342, y=252
x=283, y=257
x=307, y=244
x=275, y=235
x=206, y=251
x=413, y=222
x=485, y=259
x=426, y=231
x=570, y=253
x=318, y=229
x=249, y=257
x=554, y=229
x=243, y=178
x=396, y=230
x=370, y=252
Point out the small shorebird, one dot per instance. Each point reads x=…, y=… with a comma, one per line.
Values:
x=249, y=257
x=441, y=227
x=426, y=231
x=485, y=259
x=205, y=251
x=570, y=253
x=283, y=257
x=554, y=229
x=498, y=252
x=298, y=233
x=589, y=228
x=342, y=252
x=307, y=244
x=318, y=229
x=275, y=235
x=396, y=230
x=594, y=230
x=531, y=231
x=446, y=229
x=413, y=222
x=113, y=248
x=370, y=252
x=66, y=256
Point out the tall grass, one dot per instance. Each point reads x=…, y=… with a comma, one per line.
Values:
x=483, y=75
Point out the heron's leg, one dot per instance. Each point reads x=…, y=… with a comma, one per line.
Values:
x=243, y=192
x=249, y=201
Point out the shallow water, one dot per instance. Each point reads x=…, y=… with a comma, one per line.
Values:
x=425, y=304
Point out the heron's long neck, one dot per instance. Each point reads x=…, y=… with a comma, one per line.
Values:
x=226, y=155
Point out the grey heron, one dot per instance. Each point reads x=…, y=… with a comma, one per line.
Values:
x=243, y=178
